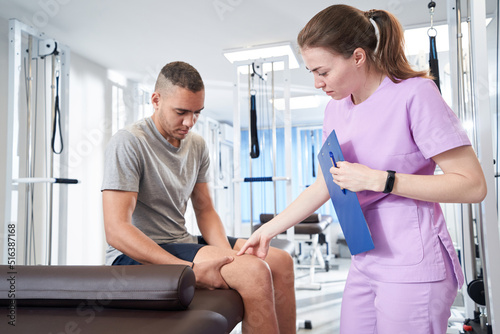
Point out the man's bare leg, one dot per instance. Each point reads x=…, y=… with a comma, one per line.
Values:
x=252, y=278
x=281, y=264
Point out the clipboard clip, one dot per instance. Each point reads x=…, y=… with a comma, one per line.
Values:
x=335, y=165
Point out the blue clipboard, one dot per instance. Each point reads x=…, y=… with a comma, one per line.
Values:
x=346, y=203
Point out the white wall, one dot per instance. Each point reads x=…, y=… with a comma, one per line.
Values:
x=90, y=102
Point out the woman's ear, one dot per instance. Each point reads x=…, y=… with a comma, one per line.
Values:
x=359, y=55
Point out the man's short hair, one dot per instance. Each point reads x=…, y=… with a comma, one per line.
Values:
x=180, y=74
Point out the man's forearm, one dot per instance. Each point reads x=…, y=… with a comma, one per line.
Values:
x=212, y=229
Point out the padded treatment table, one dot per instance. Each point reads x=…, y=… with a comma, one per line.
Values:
x=107, y=299
x=284, y=244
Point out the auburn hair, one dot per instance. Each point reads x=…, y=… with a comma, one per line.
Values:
x=341, y=29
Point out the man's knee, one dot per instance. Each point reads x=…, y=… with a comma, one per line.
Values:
x=255, y=266
x=284, y=255
x=280, y=259
x=251, y=272
x=282, y=267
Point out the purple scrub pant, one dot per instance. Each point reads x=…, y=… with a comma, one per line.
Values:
x=372, y=307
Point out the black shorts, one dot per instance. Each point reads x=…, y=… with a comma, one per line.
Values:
x=186, y=252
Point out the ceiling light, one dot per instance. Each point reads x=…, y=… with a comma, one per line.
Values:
x=262, y=52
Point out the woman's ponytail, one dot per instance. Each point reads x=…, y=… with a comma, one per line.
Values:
x=390, y=55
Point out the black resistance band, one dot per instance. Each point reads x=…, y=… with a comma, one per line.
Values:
x=433, y=60
x=254, y=149
x=57, y=121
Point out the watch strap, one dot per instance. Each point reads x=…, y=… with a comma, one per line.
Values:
x=389, y=182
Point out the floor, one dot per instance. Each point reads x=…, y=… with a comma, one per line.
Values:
x=321, y=307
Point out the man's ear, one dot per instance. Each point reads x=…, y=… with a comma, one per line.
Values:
x=155, y=99
x=359, y=56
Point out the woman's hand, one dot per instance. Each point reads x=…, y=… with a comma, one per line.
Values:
x=356, y=177
x=257, y=244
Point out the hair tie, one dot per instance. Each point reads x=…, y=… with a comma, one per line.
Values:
x=377, y=33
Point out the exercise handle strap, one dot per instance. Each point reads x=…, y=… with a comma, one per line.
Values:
x=254, y=148
x=57, y=122
x=433, y=61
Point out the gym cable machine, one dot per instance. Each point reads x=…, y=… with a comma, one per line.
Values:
x=28, y=48
x=480, y=230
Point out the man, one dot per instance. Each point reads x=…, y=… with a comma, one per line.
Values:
x=152, y=169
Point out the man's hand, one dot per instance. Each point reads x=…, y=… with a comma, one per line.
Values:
x=208, y=274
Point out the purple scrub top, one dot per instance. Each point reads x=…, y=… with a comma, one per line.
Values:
x=400, y=127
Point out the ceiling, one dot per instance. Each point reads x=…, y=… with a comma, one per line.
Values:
x=136, y=38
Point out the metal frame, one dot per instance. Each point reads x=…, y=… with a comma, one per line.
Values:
x=17, y=30
x=488, y=224
x=484, y=215
x=237, y=96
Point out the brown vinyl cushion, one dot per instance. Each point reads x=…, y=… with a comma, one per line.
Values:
x=312, y=218
x=313, y=224
x=284, y=244
x=163, y=287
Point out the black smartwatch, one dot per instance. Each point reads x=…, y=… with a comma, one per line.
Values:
x=389, y=183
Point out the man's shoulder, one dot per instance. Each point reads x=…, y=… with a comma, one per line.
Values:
x=139, y=128
x=196, y=138
x=194, y=141
x=129, y=138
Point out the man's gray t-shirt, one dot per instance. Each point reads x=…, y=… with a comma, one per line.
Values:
x=139, y=159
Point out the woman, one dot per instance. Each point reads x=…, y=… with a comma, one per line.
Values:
x=393, y=127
